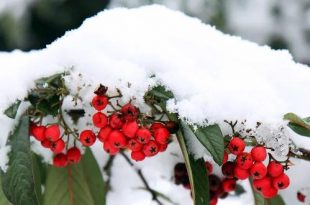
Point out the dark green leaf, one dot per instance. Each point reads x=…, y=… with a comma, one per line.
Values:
x=196, y=169
x=12, y=110
x=293, y=118
x=239, y=190
x=80, y=184
x=19, y=181
x=276, y=201
x=55, y=81
x=299, y=130
x=3, y=199
x=212, y=139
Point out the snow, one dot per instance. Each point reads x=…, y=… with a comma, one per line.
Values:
x=213, y=76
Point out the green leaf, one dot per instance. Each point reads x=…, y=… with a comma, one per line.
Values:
x=3, y=199
x=299, y=130
x=278, y=200
x=196, y=169
x=12, y=110
x=212, y=139
x=298, y=125
x=239, y=190
x=19, y=181
x=80, y=184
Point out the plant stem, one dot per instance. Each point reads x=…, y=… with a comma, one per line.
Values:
x=140, y=174
x=107, y=169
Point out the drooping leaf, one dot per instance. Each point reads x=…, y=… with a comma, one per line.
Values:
x=298, y=125
x=80, y=184
x=19, y=181
x=12, y=110
x=195, y=167
x=212, y=139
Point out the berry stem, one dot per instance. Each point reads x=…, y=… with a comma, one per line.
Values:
x=107, y=170
x=140, y=174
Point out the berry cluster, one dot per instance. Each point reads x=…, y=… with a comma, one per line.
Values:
x=50, y=138
x=267, y=180
x=126, y=128
x=123, y=128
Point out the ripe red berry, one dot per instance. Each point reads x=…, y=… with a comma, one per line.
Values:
x=100, y=119
x=143, y=135
x=275, y=169
x=130, y=129
x=116, y=121
x=229, y=185
x=134, y=145
x=117, y=139
x=281, y=182
x=225, y=158
x=150, y=149
x=74, y=155
x=162, y=135
x=156, y=125
x=38, y=132
x=301, y=197
x=104, y=133
x=52, y=133
x=130, y=112
x=46, y=143
x=213, y=201
x=259, y=153
x=258, y=170
x=240, y=173
x=162, y=147
x=60, y=160
x=262, y=184
x=137, y=155
x=269, y=193
x=244, y=160
x=209, y=167
x=57, y=146
x=109, y=148
x=228, y=169
x=87, y=138
x=236, y=145
x=100, y=102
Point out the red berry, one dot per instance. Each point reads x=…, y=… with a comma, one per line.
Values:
x=162, y=135
x=130, y=112
x=60, y=160
x=109, y=148
x=87, y=138
x=214, y=182
x=74, y=155
x=117, y=139
x=150, y=149
x=38, y=132
x=258, y=170
x=134, y=145
x=156, y=125
x=46, y=143
x=213, y=201
x=100, y=120
x=209, y=167
x=275, y=169
x=100, y=102
x=225, y=158
x=240, y=173
x=259, y=153
x=281, y=182
x=116, y=121
x=57, y=146
x=262, y=184
x=143, y=135
x=236, y=145
x=137, y=155
x=104, y=133
x=244, y=160
x=130, y=128
x=228, y=169
x=229, y=185
x=162, y=147
x=269, y=193
x=52, y=133
x=301, y=197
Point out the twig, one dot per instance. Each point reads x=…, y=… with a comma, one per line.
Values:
x=232, y=125
x=147, y=186
x=107, y=170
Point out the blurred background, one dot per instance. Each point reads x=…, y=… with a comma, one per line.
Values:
x=282, y=24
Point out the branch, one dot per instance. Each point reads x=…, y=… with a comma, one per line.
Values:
x=107, y=170
x=140, y=174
